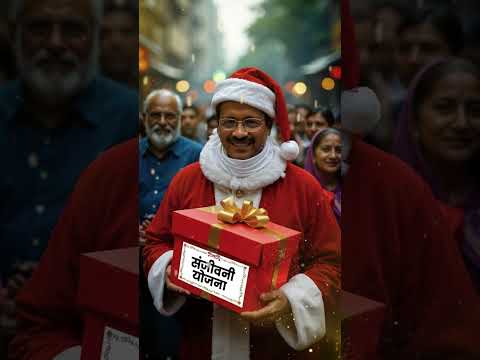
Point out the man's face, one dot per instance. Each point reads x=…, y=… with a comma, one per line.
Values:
x=314, y=124
x=56, y=47
x=119, y=41
x=245, y=140
x=161, y=121
x=190, y=121
x=418, y=46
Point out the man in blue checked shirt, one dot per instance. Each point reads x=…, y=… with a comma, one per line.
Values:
x=163, y=152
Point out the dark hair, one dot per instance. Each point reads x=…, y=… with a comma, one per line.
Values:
x=192, y=107
x=322, y=134
x=326, y=113
x=437, y=72
x=303, y=106
x=444, y=20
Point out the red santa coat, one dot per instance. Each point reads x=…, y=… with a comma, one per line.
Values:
x=101, y=214
x=295, y=201
x=397, y=249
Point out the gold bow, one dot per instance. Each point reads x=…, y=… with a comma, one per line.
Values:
x=248, y=214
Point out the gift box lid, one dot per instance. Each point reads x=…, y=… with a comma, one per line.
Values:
x=201, y=226
x=109, y=283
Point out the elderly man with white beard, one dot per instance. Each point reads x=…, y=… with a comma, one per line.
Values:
x=163, y=152
x=54, y=121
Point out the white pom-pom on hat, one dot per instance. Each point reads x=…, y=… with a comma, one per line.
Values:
x=360, y=110
x=289, y=150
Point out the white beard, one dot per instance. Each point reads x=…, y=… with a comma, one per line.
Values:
x=55, y=88
x=160, y=141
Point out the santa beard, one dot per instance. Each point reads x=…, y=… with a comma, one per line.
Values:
x=55, y=87
x=161, y=139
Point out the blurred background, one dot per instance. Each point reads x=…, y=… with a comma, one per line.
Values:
x=189, y=46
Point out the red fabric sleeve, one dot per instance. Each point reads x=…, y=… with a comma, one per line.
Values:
x=322, y=246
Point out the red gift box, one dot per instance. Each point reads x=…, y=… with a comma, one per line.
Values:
x=108, y=296
x=230, y=265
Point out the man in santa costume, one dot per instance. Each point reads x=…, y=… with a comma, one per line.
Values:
x=396, y=247
x=243, y=161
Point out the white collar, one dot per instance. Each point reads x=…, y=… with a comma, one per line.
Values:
x=251, y=174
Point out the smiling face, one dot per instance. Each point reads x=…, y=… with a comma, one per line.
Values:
x=448, y=124
x=243, y=141
x=328, y=154
x=161, y=121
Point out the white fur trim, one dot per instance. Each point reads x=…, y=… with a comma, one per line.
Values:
x=246, y=92
x=289, y=150
x=308, y=310
x=73, y=353
x=213, y=167
x=360, y=110
x=156, y=284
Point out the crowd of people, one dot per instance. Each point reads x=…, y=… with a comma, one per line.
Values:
x=423, y=66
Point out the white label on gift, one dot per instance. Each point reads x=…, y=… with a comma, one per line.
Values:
x=215, y=274
x=119, y=345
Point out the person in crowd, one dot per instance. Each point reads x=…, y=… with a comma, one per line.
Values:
x=295, y=134
x=191, y=124
x=244, y=162
x=439, y=136
x=317, y=120
x=425, y=35
x=396, y=248
x=212, y=124
x=302, y=111
x=162, y=153
x=324, y=160
x=55, y=119
x=119, y=41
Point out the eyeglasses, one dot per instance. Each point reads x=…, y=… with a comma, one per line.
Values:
x=249, y=124
x=159, y=115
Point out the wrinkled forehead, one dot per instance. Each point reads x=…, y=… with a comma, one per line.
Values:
x=58, y=8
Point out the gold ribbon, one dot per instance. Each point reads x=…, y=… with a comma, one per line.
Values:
x=248, y=214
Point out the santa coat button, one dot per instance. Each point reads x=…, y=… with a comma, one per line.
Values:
x=239, y=193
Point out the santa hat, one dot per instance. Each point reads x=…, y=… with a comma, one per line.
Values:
x=359, y=106
x=256, y=88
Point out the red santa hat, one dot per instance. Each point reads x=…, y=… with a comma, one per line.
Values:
x=256, y=88
x=359, y=106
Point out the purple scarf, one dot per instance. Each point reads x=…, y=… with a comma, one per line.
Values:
x=310, y=166
x=408, y=150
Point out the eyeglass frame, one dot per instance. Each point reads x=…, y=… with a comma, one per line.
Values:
x=262, y=121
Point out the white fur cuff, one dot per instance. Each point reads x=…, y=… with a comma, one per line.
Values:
x=308, y=312
x=156, y=284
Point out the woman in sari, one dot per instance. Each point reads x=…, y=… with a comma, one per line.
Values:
x=324, y=160
x=439, y=136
